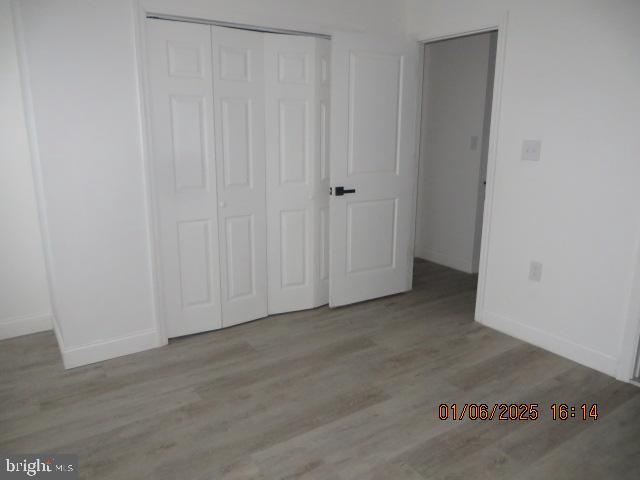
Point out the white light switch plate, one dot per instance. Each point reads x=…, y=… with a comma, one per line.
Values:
x=531, y=150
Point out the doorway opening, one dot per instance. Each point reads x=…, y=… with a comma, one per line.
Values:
x=456, y=108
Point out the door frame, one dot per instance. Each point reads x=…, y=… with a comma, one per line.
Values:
x=140, y=14
x=501, y=43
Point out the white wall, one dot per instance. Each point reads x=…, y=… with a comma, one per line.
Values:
x=453, y=111
x=82, y=75
x=24, y=295
x=83, y=71
x=571, y=77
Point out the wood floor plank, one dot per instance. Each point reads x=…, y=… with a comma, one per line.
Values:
x=499, y=449
x=608, y=449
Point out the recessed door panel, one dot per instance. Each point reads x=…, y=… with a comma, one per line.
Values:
x=374, y=116
x=185, y=59
x=235, y=63
x=293, y=67
x=294, y=143
x=324, y=65
x=194, y=253
x=324, y=243
x=368, y=220
x=188, y=135
x=293, y=248
x=240, y=253
x=324, y=140
x=236, y=140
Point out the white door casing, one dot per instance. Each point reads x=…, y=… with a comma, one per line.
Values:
x=238, y=91
x=293, y=138
x=373, y=127
x=184, y=174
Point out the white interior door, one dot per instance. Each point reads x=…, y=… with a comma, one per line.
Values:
x=184, y=174
x=373, y=127
x=238, y=90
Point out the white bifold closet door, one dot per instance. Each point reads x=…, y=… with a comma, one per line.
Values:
x=240, y=168
x=184, y=180
x=297, y=140
x=239, y=95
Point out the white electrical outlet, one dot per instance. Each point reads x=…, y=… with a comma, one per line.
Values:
x=531, y=150
x=535, y=271
x=473, y=143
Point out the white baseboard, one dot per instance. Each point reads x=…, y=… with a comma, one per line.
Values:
x=116, y=347
x=24, y=325
x=560, y=346
x=466, y=265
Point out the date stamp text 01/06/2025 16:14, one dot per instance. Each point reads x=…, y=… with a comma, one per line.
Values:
x=516, y=411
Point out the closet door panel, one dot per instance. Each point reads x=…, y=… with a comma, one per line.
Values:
x=238, y=91
x=184, y=174
x=291, y=111
x=321, y=169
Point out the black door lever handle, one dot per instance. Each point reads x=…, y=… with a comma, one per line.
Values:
x=341, y=191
